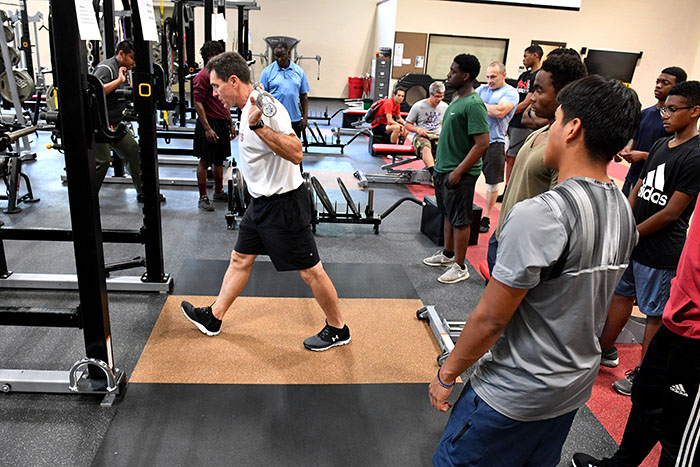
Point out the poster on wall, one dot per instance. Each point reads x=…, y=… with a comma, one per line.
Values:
x=558, y=4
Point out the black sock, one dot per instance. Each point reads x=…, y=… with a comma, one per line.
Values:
x=448, y=254
x=462, y=266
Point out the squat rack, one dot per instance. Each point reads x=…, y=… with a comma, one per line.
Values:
x=96, y=373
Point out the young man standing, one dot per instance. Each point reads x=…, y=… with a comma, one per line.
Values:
x=568, y=245
x=277, y=222
x=388, y=120
x=463, y=141
x=663, y=201
x=530, y=175
x=517, y=132
x=213, y=131
x=665, y=397
x=500, y=99
x=425, y=120
x=651, y=128
x=112, y=72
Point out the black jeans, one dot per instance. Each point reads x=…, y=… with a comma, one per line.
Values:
x=664, y=403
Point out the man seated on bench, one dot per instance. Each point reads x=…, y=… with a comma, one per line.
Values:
x=425, y=120
x=388, y=120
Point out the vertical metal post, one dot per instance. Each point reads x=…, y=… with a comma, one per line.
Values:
x=208, y=11
x=179, y=21
x=25, y=43
x=241, y=30
x=108, y=21
x=144, y=104
x=79, y=146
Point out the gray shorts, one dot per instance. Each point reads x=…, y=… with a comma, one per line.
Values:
x=517, y=139
x=455, y=202
x=494, y=163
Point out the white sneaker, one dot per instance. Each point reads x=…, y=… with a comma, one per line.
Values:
x=454, y=274
x=438, y=259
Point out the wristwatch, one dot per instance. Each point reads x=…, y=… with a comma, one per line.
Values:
x=258, y=125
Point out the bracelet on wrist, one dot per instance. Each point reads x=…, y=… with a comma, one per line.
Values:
x=446, y=386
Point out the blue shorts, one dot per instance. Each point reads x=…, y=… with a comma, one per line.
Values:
x=478, y=436
x=650, y=286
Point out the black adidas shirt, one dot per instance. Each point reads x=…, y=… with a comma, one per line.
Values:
x=526, y=84
x=666, y=171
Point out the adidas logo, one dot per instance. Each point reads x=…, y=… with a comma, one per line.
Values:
x=653, y=186
x=679, y=389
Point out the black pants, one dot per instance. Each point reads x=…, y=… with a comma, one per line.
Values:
x=664, y=404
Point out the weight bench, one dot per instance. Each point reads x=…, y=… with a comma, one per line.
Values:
x=397, y=153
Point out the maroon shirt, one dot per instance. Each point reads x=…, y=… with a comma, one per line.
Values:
x=204, y=93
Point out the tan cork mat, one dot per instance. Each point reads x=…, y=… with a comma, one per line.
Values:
x=261, y=343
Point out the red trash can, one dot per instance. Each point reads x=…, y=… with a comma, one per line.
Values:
x=355, y=87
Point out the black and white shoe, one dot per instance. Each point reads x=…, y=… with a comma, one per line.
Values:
x=584, y=460
x=327, y=338
x=203, y=318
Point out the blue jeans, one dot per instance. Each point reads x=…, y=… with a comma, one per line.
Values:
x=478, y=436
x=492, y=252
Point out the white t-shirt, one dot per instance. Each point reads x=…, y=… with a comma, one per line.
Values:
x=425, y=116
x=265, y=172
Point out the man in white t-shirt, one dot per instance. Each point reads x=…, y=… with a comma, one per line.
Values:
x=425, y=120
x=277, y=222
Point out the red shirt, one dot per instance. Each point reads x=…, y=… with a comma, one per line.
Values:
x=204, y=93
x=682, y=312
x=388, y=107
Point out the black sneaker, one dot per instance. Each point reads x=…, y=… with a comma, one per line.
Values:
x=624, y=385
x=327, y=338
x=223, y=196
x=584, y=460
x=499, y=198
x=161, y=198
x=485, y=225
x=203, y=318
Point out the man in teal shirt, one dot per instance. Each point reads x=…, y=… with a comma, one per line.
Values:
x=463, y=141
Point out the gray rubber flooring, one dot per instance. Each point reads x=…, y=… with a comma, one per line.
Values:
x=58, y=430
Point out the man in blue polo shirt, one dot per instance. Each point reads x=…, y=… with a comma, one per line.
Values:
x=500, y=100
x=287, y=82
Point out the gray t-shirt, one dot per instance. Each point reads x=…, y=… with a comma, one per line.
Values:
x=423, y=115
x=107, y=71
x=569, y=246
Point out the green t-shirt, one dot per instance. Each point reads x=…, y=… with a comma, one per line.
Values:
x=463, y=118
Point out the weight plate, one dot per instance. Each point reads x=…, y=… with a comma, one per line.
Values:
x=52, y=97
x=14, y=56
x=321, y=193
x=23, y=83
x=310, y=190
x=9, y=34
x=239, y=191
x=348, y=199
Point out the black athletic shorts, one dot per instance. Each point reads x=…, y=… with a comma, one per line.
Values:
x=455, y=202
x=279, y=226
x=379, y=130
x=494, y=163
x=213, y=153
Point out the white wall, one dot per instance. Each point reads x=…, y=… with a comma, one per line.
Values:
x=347, y=33
x=667, y=32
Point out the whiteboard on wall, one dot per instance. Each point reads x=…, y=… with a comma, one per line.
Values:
x=560, y=4
x=443, y=49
